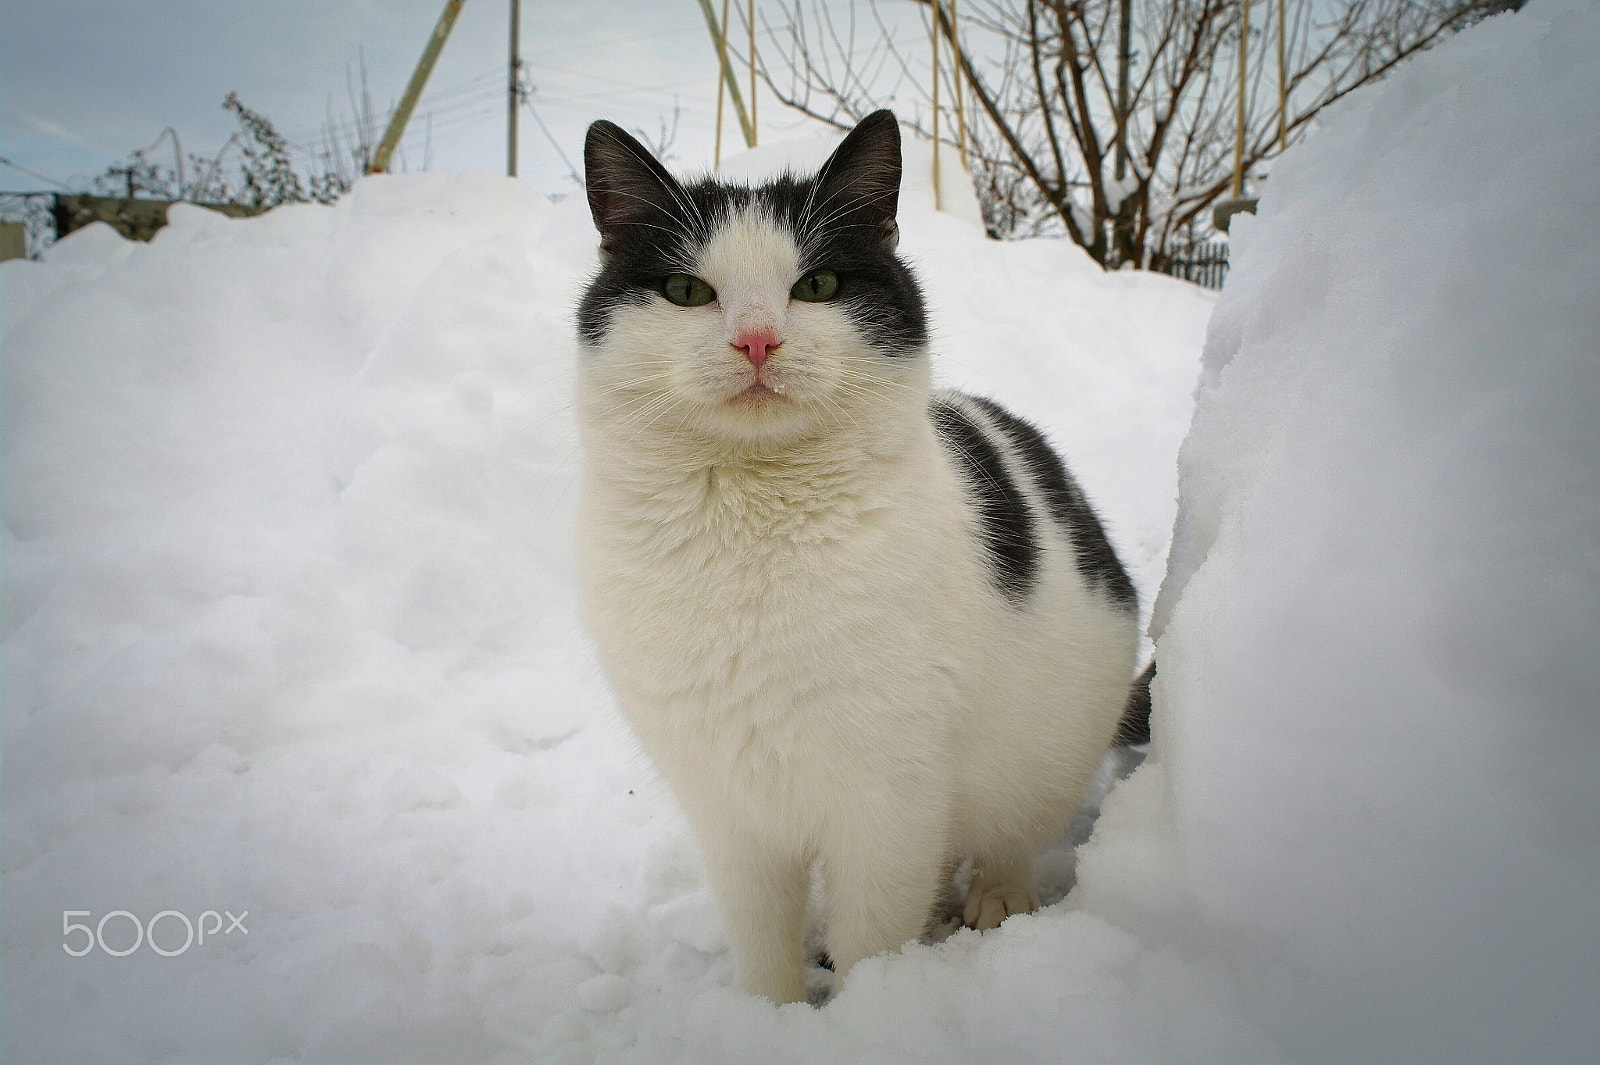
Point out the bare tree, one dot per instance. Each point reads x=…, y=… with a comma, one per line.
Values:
x=260, y=174
x=1112, y=122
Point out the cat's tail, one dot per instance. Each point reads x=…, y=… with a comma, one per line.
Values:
x=1134, y=728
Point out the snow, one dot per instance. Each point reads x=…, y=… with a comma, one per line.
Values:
x=289, y=629
x=1381, y=611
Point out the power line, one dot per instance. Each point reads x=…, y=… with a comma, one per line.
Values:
x=34, y=174
x=466, y=93
x=572, y=171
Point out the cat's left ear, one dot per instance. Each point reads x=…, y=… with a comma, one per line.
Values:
x=626, y=184
x=862, y=176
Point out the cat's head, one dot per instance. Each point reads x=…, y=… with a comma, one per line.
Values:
x=754, y=314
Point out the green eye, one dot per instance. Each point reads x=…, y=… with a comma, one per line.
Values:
x=816, y=287
x=686, y=290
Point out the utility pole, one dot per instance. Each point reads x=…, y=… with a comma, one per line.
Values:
x=514, y=88
x=750, y=20
x=419, y=78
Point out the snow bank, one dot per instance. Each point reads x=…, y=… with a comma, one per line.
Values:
x=1379, y=702
x=289, y=636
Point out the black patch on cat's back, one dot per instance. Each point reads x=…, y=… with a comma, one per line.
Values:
x=1005, y=521
x=1096, y=559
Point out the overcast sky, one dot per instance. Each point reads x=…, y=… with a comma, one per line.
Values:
x=83, y=83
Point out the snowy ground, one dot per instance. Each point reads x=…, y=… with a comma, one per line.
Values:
x=289, y=635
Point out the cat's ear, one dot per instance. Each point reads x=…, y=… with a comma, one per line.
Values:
x=625, y=183
x=862, y=176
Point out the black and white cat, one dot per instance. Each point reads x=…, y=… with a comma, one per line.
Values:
x=862, y=627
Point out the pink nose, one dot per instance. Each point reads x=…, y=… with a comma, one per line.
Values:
x=756, y=346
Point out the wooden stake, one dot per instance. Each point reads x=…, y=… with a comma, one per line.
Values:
x=1283, y=85
x=751, y=18
x=933, y=30
x=722, y=80
x=419, y=78
x=719, y=41
x=961, y=114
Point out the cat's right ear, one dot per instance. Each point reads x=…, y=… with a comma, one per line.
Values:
x=862, y=176
x=626, y=184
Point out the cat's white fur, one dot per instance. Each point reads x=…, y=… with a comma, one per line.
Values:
x=799, y=622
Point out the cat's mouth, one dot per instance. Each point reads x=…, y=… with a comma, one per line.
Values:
x=761, y=391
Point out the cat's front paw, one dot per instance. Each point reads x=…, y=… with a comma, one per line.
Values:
x=994, y=897
x=779, y=988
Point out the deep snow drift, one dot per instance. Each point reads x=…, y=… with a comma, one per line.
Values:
x=288, y=630
x=289, y=627
x=1383, y=604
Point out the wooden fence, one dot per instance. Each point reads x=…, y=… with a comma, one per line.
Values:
x=1204, y=264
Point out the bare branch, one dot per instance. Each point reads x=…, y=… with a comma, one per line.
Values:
x=1043, y=75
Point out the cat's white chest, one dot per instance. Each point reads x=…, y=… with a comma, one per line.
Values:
x=776, y=605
